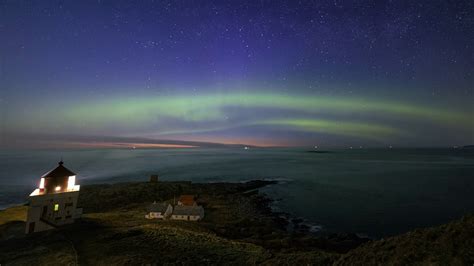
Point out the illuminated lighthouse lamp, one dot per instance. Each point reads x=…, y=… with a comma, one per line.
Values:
x=58, y=180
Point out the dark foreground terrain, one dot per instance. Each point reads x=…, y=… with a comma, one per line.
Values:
x=239, y=228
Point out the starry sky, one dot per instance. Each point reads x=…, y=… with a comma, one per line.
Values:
x=283, y=73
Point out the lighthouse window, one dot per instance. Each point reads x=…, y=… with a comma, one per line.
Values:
x=56, y=207
x=71, y=182
x=41, y=186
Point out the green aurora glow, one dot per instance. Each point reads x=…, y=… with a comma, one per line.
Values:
x=371, y=119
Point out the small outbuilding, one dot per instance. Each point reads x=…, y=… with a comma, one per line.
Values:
x=188, y=213
x=154, y=179
x=159, y=211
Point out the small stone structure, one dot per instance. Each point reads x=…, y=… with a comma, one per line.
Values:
x=154, y=179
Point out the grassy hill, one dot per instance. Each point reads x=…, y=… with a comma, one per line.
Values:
x=449, y=244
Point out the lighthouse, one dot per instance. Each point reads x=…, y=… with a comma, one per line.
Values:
x=54, y=202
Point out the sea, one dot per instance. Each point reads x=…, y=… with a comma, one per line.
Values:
x=371, y=192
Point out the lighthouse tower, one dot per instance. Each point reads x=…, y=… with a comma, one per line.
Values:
x=54, y=202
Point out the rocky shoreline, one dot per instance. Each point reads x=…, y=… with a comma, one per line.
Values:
x=299, y=228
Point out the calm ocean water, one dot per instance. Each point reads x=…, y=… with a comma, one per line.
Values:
x=376, y=192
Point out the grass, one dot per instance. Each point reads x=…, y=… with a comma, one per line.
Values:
x=449, y=244
x=121, y=238
x=17, y=213
x=236, y=230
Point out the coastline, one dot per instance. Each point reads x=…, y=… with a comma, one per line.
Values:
x=239, y=227
x=252, y=218
x=324, y=182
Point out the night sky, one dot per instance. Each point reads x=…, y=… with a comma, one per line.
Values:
x=326, y=73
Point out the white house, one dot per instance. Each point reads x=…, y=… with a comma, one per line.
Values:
x=159, y=211
x=187, y=213
x=54, y=202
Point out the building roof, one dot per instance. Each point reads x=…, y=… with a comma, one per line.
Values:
x=59, y=171
x=158, y=207
x=187, y=200
x=188, y=210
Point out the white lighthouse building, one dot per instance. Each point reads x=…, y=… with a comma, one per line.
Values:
x=54, y=202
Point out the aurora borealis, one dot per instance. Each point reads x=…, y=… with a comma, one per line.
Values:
x=269, y=73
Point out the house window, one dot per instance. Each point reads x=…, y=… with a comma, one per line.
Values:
x=56, y=207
